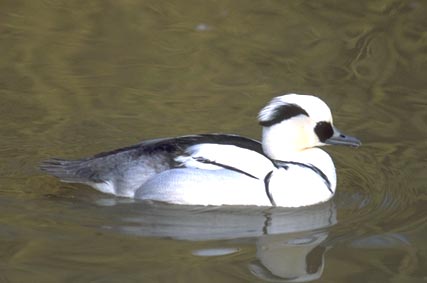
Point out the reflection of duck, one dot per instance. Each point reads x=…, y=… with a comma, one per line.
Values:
x=291, y=257
x=222, y=223
x=288, y=241
x=215, y=169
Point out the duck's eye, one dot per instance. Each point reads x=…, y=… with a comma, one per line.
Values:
x=324, y=130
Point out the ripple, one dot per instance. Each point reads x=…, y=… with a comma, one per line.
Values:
x=378, y=190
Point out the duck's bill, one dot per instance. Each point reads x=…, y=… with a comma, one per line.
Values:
x=340, y=139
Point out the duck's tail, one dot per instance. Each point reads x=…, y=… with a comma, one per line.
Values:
x=70, y=171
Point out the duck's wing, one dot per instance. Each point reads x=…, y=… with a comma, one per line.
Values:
x=225, y=156
x=123, y=170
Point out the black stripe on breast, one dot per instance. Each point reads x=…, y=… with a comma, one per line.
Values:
x=207, y=161
x=267, y=188
x=315, y=169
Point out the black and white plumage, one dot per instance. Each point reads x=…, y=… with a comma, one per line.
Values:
x=286, y=169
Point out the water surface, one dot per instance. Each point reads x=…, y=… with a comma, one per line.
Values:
x=78, y=78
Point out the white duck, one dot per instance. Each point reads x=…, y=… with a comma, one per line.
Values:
x=286, y=170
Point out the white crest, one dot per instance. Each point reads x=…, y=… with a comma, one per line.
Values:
x=295, y=104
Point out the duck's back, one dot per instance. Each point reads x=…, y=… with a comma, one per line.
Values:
x=121, y=172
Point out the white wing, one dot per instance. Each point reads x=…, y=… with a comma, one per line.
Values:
x=217, y=156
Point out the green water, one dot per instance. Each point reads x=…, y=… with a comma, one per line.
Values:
x=80, y=77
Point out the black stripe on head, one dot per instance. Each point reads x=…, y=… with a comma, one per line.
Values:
x=282, y=112
x=324, y=131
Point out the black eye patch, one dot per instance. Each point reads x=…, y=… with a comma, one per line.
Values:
x=324, y=130
x=282, y=112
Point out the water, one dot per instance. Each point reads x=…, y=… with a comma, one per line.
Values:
x=78, y=78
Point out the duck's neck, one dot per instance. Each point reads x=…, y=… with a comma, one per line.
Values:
x=282, y=142
x=286, y=146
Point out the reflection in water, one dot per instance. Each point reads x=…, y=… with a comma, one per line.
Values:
x=296, y=258
x=288, y=241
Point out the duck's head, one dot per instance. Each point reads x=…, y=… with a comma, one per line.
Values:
x=293, y=123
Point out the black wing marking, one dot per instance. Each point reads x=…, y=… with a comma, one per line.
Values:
x=207, y=161
x=179, y=144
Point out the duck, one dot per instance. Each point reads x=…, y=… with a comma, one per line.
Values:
x=287, y=168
